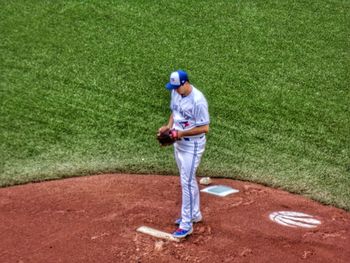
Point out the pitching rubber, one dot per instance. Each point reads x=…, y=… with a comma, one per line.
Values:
x=156, y=233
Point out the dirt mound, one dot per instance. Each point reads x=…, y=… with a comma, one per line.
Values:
x=94, y=219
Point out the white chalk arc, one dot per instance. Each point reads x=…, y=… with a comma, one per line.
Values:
x=294, y=219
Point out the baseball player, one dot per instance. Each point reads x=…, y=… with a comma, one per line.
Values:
x=188, y=125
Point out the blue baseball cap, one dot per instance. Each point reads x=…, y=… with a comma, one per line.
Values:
x=177, y=79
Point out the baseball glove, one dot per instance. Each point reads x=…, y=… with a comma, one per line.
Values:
x=167, y=137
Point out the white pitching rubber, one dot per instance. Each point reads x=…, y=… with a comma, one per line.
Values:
x=156, y=233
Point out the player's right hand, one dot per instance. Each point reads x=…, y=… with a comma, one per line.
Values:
x=163, y=129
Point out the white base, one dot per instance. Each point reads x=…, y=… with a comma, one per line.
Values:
x=219, y=190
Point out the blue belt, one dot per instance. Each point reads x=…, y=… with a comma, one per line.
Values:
x=190, y=139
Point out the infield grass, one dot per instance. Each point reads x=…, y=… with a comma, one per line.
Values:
x=82, y=89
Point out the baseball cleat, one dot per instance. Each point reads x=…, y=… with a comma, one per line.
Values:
x=195, y=220
x=181, y=233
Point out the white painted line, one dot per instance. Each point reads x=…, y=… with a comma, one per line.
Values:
x=156, y=233
x=291, y=213
x=279, y=221
x=310, y=220
x=296, y=223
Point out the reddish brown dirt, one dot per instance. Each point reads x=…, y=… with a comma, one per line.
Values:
x=94, y=219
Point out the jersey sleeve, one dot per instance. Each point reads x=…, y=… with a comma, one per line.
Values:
x=201, y=114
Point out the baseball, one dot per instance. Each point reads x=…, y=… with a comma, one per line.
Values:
x=205, y=181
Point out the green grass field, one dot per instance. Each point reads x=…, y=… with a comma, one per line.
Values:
x=82, y=89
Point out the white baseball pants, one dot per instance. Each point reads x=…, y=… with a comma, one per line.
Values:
x=188, y=154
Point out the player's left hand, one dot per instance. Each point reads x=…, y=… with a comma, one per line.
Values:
x=163, y=129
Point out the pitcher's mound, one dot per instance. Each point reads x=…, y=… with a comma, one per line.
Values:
x=94, y=219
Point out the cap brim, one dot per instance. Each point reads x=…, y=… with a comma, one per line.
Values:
x=170, y=86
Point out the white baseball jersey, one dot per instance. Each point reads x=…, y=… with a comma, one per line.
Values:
x=190, y=111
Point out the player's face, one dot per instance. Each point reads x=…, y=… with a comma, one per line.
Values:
x=181, y=90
